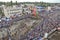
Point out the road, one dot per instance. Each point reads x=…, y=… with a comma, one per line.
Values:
x=47, y=17
x=40, y=28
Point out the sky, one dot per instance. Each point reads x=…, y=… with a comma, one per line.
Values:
x=50, y=1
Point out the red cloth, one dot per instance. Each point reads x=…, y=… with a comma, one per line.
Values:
x=34, y=11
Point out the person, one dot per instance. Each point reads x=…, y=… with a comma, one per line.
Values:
x=31, y=39
x=0, y=24
x=0, y=20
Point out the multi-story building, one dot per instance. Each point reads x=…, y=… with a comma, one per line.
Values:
x=12, y=10
x=27, y=8
x=16, y=9
x=26, y=11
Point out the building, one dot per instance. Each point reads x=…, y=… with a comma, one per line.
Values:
x=27, y=8
x=17, y=9
x=26, y=11
x=12, y=10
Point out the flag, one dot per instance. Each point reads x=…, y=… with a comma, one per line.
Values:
x=34, y=11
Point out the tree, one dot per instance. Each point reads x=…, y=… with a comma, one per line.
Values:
x=11, y=2
x=1, y=13
x=16, y=2
x=4, y=3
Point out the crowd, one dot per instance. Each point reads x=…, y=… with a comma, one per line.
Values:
x=47, y=25
x=39, y=31
x=6, y=22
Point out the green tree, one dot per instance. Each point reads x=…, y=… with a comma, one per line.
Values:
x=4, y=3
x=11, y=3
x=1, y=13
x=16, y=3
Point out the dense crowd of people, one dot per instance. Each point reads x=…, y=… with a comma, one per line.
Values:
x=6, y=22
x=47, y=25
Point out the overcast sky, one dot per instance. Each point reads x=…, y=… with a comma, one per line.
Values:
x=51, y=1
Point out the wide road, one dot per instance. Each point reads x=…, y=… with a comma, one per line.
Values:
x=52, y=16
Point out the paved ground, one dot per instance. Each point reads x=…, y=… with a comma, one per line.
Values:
x=54, y=15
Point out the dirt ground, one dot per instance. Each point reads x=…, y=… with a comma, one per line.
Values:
x=55, y=36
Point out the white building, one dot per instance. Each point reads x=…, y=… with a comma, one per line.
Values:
x=12, y=10
x=27, y=11
x=27, y=8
